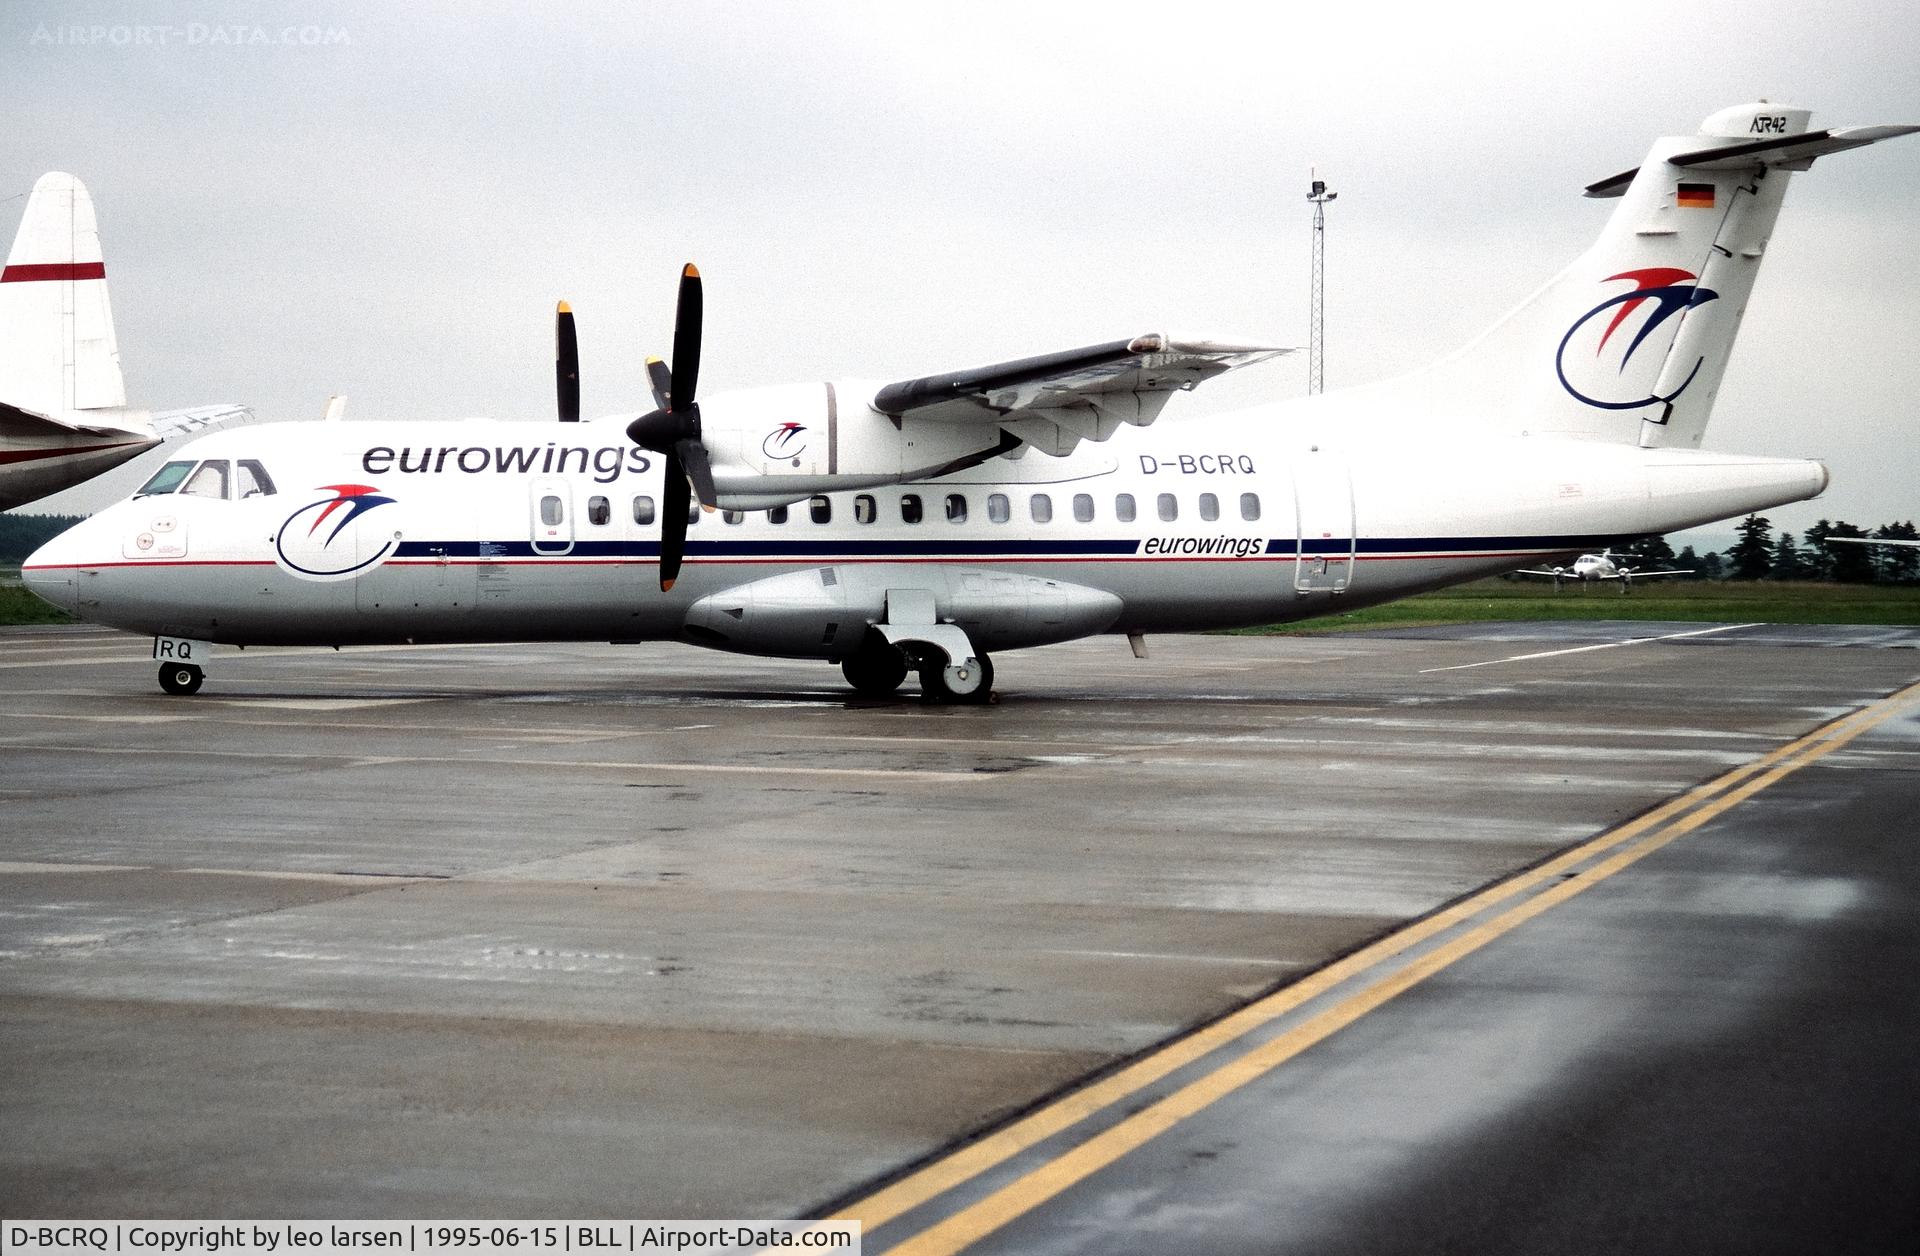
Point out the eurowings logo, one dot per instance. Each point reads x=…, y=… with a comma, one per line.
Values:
x=307, y=546
x=784, y=441
x=1611, y=376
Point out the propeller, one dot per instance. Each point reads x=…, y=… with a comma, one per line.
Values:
x=566, y=364
x=672, y=430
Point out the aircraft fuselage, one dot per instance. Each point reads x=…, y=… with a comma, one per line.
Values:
x=480, y=530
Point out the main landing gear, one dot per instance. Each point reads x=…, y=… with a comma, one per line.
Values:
x=879, y=667
x=181, y=679
x=970, y=681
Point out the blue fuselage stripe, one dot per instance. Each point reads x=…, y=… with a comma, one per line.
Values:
x=985, y=550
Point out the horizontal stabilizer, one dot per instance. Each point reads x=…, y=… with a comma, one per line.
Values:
x=1788, y=152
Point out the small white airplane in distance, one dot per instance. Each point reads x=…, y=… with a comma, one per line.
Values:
x=1867, y=540
x=1594, y=568
x=926, y=523
x=63, y=405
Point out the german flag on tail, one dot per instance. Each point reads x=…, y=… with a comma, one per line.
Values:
x=1695, y=196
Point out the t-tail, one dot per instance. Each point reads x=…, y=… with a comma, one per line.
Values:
x=60, y=358
x=1629, y=344
x=63, y=403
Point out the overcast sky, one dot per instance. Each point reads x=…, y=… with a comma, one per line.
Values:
x=386, y=200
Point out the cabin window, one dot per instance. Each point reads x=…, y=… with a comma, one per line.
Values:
x=599, y=511
x=693, y=513
x=999, y=509
x=777, y=515
x=1123, y=507
x=643, y=510
x=165, y=480
x=550, y=511
x=956, y=508
x=820, y=510
x=1209, y=507
x=209, y=481
x=733, y=516
x=1083, y=508
x=1250, y=506
x=864, y=510
x=254, y=480
x=1169, y=507
x=1041, y=507
x=910, y=508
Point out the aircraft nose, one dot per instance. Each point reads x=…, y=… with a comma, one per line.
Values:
x=49, y=573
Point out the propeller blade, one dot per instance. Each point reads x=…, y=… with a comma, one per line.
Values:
x=674, y=505
x=687, y=317
x=693, y=456
x=566, y=364
x=662, y=381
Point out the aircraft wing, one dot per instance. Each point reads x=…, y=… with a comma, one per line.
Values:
x=1527, y=571
x=1055, y=401
x=71, y=421
x=165, y=424
x=168, y=424
x=1648, y=575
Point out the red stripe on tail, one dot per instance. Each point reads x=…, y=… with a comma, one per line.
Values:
x=54, y=270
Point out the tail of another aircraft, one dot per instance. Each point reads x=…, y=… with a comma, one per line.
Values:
x=57, y=349
x=1629, y=343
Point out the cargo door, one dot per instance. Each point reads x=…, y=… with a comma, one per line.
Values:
x=1323, y=523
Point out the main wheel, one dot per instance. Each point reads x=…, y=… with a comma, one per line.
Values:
x=181, y=678
x=969, y=681
x=876, y=670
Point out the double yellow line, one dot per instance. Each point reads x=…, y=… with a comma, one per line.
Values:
x=1563, y=876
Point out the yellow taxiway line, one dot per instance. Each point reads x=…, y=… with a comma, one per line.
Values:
x=1628, y=843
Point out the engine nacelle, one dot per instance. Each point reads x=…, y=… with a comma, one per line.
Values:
x=772, y=446
x=824, y=612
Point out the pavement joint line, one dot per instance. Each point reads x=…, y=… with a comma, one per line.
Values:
x=1583, y=649
x=351, y=760
x=947, y=1172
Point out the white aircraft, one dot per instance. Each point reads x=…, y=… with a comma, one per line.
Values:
x=63, y=404
x=1593, y=568
x=913, y=524
x=1867, y=540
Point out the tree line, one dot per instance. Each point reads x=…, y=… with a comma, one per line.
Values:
x=1762, y=554
x=20, y=535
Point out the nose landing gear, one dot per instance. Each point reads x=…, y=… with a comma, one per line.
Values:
x=181, y=679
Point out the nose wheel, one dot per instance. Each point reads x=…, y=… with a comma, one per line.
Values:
x=181, y=679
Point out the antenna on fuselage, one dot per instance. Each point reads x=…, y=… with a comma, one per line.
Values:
x=1317, y=299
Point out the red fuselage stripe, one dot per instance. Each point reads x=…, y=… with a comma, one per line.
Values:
x=53, y=270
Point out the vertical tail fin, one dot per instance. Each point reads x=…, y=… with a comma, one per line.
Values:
x=57, y=348
x=1629, y=343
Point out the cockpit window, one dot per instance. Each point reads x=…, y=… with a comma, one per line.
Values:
x=209, y=481
x=252, y=478
x=166, y=479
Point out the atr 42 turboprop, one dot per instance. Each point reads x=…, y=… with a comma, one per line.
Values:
x=913, y=525
x=63, y=404
x=1594, y=568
